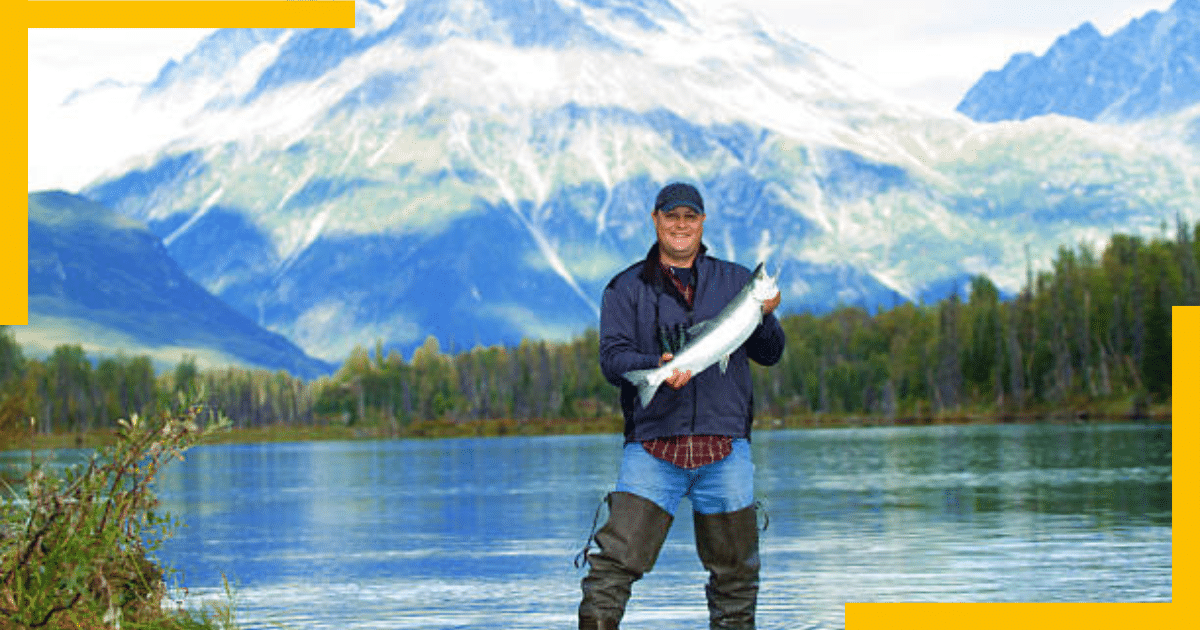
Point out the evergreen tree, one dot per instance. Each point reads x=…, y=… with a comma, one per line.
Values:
x=1156, y=362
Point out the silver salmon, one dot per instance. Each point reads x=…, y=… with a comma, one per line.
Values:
x=712, y=341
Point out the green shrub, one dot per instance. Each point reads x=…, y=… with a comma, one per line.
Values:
x=76, y=549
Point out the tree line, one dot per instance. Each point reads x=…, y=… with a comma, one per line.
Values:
x=1094, y=329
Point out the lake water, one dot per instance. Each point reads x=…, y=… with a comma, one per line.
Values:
x=480, y=533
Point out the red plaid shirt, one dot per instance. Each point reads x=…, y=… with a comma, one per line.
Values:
x=690, y=451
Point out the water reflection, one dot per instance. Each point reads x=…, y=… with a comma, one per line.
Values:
x=480, y=533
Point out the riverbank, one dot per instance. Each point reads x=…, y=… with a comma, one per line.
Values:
x=599, y=425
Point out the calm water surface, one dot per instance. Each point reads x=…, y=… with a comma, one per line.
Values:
x=480, y=533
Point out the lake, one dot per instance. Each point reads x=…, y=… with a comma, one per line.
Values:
x=481, y=533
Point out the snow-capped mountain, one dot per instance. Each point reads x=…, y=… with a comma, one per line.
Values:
x=479, y=169
x=1150, y=67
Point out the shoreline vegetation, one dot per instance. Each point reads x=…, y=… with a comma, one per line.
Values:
x=77, y=546
x=494, y=428
x=1089, y=338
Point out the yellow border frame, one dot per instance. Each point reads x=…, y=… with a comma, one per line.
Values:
x=14, y=215
x=340, y=14
x=1185, y=332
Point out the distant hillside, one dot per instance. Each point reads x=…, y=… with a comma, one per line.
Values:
x=104, y=281
x=1151, y=67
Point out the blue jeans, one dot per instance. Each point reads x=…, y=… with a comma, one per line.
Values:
x=724, y=486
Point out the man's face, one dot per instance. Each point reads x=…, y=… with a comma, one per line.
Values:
x=679, y=231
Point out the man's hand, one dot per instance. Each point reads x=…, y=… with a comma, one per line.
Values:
x=770, y=305
x=677, y=379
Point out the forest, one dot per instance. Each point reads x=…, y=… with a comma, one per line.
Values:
x=1090, y=335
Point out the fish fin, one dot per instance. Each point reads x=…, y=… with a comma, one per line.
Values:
x=724, y=363
x=699, y=329
x=641, y=380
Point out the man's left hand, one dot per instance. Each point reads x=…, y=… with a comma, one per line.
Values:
x=770, y=305
x=677, y=379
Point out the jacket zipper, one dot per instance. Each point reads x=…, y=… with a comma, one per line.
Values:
x=691, y=319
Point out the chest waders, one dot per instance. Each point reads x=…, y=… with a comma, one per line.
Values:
x=629, y=543
x=728, y=547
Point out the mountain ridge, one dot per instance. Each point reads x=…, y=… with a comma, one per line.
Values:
x=484, y=192
x=1150, y=67
x=108, y=277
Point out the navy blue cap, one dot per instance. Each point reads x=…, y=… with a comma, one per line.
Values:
x=679, y=194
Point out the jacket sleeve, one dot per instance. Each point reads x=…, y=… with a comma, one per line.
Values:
x=765, y=346
x=618, y=336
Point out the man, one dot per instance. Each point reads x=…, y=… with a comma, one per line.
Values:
x=692, y=440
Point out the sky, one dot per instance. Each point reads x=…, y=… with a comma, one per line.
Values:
x=933, y=51
x=930, y=51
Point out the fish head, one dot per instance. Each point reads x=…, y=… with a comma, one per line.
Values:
x=762, y=286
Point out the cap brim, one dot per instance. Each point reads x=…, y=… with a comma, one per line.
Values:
x=681, y=204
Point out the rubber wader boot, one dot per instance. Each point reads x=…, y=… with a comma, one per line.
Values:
x=728, y=546
x=629, y=544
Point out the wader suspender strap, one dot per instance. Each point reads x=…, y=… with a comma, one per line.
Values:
x=581, y=559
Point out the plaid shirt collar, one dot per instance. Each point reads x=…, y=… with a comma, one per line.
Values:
x=686, y=291
x=654, y=274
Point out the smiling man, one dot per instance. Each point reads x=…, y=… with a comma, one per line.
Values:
x=693, y=438
x=680, y=228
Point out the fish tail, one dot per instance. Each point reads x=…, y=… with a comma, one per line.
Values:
x=646, y=387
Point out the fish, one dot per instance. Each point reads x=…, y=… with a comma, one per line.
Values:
x=713, y=340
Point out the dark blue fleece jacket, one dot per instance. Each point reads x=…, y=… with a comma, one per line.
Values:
x=641, y=299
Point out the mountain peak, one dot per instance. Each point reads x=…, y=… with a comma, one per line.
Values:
x=1149, y=67
x=473, y=171
x=1085, y=31
x=423, y=24
x=521, y=23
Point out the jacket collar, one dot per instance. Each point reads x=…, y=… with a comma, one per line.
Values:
x=652, y=273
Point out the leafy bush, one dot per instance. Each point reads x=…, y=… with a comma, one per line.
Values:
x=76, y=549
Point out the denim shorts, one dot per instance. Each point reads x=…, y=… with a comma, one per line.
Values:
x=724, y=486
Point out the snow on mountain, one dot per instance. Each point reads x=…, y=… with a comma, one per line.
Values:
x=1151, y=67
x=479, y=169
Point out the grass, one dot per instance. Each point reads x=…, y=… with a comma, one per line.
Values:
x=76, y=549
